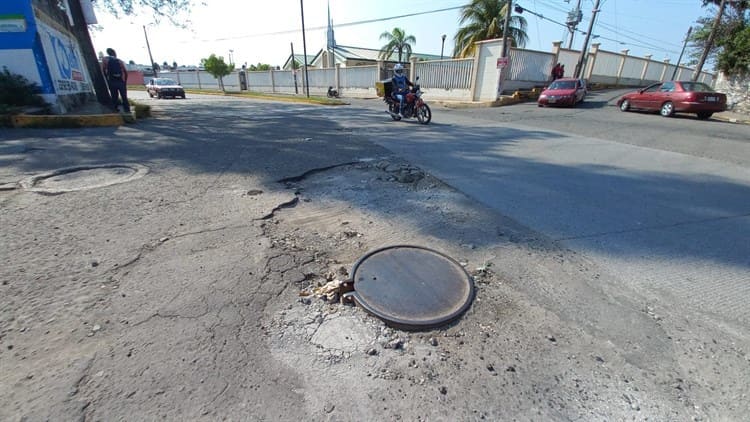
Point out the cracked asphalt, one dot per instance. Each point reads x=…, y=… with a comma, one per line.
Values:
x=176, y=295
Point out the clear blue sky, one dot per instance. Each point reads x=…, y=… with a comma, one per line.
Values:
x=261, y=31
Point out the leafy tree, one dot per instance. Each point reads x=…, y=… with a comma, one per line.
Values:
x=259, y=66
x=173, y=10
x=397, y=42
x=174, y=65
x=217, y=67
x=484, y=20
x=735, y=18
x=131, y=62
x=734, y=57
x=156, y=67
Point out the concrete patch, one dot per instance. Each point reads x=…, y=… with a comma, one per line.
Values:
x=345, y=334
x=83, y=177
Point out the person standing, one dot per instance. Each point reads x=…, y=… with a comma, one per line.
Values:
x=117, y=79
x=555, y=71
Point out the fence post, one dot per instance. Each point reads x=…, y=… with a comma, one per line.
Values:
x=337, y=77
x=645, y=68
x=475, y=72
x=381, y=70
x=664, y=71
x=413, y=68
x=622, y=65
x=590, y=61
x=273, y=83
x=198, y=75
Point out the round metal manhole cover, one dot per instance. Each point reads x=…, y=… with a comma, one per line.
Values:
x=83, y=177
x=411, y=287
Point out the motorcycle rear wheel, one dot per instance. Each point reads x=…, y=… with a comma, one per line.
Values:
x=424, y=114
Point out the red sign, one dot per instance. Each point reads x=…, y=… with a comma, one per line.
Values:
x=502, y=62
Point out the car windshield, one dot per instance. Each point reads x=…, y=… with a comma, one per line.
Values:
x=563, y=85
x=164, y=81
x=696, y=87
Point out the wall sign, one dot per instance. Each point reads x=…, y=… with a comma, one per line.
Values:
x=12, y=23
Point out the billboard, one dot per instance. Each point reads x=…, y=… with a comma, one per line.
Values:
x=64, y=59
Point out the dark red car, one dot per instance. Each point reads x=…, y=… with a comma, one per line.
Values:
x=563, y=92
x=673, y=97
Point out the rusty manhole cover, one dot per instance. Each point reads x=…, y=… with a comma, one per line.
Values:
x=411, y=287
x=83, y=177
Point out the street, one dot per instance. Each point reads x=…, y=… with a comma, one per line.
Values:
x=608, y=251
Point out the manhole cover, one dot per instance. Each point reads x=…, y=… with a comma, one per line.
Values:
x=411, y=287
x=83, y=177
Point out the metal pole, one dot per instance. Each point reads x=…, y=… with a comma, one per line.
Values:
x=150, y=57
x=509, y=5
x=573, y=29
x=709, y=42
x=442, y=48
x=304, y=48
x=294, y=69
x=690, y=30
x=579, y=65
x=81, y=33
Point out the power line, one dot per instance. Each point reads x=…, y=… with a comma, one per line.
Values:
x=362, y=22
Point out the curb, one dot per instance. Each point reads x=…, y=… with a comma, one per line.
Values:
x=69, y=121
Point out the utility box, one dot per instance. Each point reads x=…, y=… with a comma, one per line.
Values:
x=384, y=88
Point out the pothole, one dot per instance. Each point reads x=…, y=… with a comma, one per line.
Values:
x=83, y=177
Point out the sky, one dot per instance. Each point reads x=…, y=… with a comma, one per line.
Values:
x=253, y=31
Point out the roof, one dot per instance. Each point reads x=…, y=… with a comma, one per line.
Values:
x=299, y=58
x=344, y=53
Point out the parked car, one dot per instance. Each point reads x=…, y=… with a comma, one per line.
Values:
x=563, y=92
x=673, y=97
x=164, y=87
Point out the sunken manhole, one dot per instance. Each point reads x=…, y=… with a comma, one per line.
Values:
x=410, y=287
x=83, y=177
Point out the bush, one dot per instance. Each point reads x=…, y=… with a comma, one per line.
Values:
x=16, y=91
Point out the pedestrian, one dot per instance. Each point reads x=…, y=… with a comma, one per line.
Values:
x=555, y=71
x=561, y=73
x=117, y=79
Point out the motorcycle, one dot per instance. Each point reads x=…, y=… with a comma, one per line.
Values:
x=414, y=106
x=332, y=93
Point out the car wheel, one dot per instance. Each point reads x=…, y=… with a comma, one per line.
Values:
x=625, y=105
x=703, y=115
x=182, y=96
x=667, y=109
x=159, y=96
x=150, y=95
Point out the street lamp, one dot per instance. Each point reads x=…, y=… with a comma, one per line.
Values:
x=442, y=47
x=231, y=59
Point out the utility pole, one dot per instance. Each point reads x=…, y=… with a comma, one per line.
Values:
x=579, y=65
x=304, y=48
x=709, y=42
x=150, y=57
x=574, y=18
x=509, y=6
x=294, y=69
x=687, y=37
x=81, y=32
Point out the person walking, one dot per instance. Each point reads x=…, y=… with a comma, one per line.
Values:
x=555, y=71
x=117, y=79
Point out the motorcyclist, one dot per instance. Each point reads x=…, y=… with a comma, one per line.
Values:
x=401, y=86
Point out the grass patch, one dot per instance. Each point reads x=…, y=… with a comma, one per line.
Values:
x=313, y=99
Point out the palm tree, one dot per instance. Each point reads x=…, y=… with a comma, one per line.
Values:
x=398, y=41
x=484, y=20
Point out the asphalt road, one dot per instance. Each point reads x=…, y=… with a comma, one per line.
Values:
x=663, y=204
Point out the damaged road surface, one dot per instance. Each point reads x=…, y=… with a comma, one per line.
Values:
x=195, y=292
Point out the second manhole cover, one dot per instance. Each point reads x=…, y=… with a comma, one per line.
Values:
x=83, y=177
x=411, y=287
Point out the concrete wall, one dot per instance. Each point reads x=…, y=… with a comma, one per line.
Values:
x=37, y=43
x=737, y=88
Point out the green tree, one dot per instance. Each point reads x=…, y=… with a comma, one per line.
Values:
x=173, y=10
x=484, y=20
x=734, y=19
x=397, y=42
x=734, y=57
x=217, y=67
x=259, y=66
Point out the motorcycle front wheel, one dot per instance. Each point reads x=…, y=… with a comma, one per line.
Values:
x=424, y=114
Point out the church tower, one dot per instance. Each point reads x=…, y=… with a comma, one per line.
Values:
x=330, y=40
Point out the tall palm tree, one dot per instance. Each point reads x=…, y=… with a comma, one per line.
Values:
x=398, y=42
x=484, y=20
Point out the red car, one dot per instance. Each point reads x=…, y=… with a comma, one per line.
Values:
x=673, y=97
x=564, y=92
